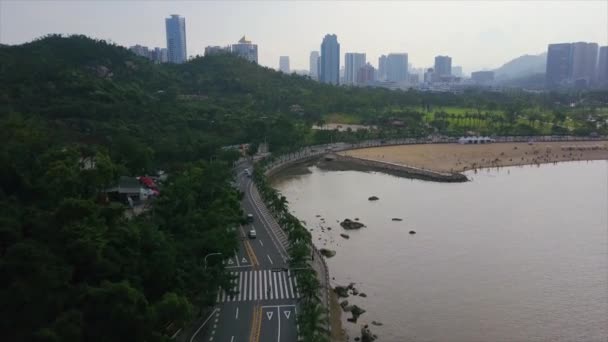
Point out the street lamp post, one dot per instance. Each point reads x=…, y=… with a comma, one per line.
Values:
x=208, y=255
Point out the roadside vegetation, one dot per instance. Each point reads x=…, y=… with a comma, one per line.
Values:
x=74, y=267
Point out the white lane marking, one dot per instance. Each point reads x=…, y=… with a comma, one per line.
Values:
x=295, y=282
x=239, y=296
x=255, y=285
x=261, y=243
x=236, y=257
x=232, y=339
x=199, y=328
x=250, y=288
x=274, y=283
x=290, y=284
x=237, y=313
x=279, y=332
x=268, y=256
x=280, y=284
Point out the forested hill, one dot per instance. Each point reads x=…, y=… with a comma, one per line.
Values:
x=92, y=91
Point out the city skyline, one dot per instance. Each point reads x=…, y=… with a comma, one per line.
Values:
x=494, y=36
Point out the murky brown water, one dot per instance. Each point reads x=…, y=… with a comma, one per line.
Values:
x=517, y=254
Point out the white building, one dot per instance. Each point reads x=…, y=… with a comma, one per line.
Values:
x=353, y=62
x=284, y=64
x=314, y=65
x=245, y=49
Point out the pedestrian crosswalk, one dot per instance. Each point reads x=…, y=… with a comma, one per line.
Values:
x=260, y=285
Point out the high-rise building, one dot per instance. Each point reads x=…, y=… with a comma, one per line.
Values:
x=366, y=75
x=381, y=68
x=396, y=67
x=584, y=60
x=602, y=68
x=352, y=63
x=284, y=64
x=314, y=65
x=330, y=60
x=443, y=66
x=482, y=77
x=559, y=65
x=140, y=50
x=176, y=38
x=457, y=71
x=157, y=55
x=245, y=49
x=216, y=50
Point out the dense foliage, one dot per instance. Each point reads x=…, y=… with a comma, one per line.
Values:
x=73, y=267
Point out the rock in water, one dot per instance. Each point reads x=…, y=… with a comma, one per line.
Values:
x=328, y=253
x=373, y=198
x=376, y=323
x=362, y=294
x=349, y=224
x=397, y=219
x=412, y=232
x=341, y=291
x=366, y=334
x=346, y=236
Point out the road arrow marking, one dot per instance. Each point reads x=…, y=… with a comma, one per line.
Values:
x=287, y=313
x=230, y=262
x=244, y=261
x=269, y=314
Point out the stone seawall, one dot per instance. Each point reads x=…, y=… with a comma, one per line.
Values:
x=406, y=171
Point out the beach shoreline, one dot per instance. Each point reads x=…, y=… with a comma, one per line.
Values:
x=456, y=158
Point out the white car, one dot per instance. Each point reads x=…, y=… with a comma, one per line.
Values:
x=252, y=234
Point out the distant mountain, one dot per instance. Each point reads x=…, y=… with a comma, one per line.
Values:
x=521, y=67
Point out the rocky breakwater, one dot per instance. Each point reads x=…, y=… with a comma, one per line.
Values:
x=401, y=170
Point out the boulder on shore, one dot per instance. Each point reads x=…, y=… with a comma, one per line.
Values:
x=346, y=236
x=328, y=253
x=349, y=224
x=373, y=198
x=356, y=312
x=366, y=334
x=341, y=291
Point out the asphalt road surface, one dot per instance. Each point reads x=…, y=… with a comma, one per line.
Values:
x=265, y=307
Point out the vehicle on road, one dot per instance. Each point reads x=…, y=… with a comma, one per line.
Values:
x=249, y=217
x=248, y=173
x=252, y=234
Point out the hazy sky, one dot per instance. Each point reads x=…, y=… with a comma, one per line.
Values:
x=476, y=35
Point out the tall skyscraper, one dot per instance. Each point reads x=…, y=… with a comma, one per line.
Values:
x=602, y=68
x=584, y=60
x=366, y=75
x=330, y=60
x=284, y=64
x=245, y=49
x=381, y=76
x=313, y=71
x=559, y=65
x=457, y=71
x=176, y=38
x=352, y=63
x=443, y=66
x=396, y=67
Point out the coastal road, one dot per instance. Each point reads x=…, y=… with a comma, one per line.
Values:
x=264, y=306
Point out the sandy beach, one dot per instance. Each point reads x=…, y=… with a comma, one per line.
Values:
x=457, y=157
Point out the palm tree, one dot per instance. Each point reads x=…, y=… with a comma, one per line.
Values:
x=313, y=323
